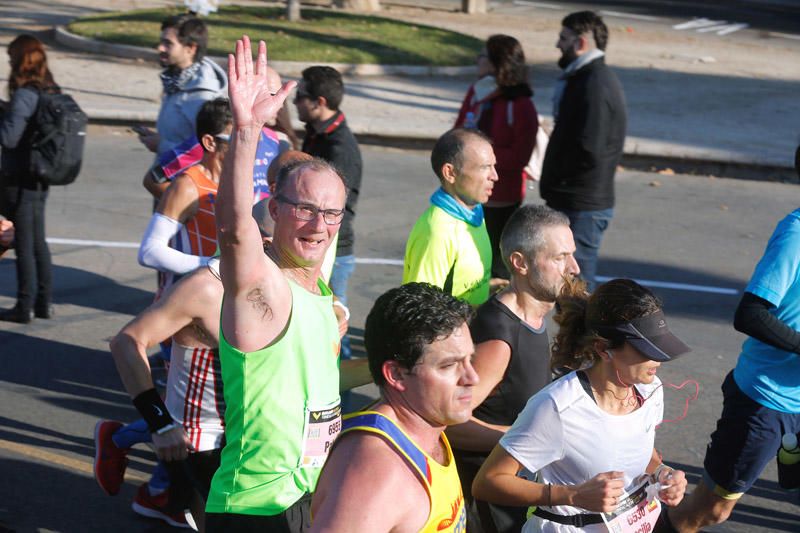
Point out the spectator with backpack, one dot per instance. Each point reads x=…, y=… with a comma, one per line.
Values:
x=23, y=195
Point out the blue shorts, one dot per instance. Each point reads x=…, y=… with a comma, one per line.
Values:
x=747, y=438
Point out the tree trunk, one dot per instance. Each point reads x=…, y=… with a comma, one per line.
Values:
x=361, y=5
x=293, y=10
x=473, y=7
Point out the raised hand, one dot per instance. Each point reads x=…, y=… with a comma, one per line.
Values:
x=252, y=103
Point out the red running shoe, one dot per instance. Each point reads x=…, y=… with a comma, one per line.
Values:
x=156, y=507
x=109, y=461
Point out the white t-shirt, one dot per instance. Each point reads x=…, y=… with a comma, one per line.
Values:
x=564, y=436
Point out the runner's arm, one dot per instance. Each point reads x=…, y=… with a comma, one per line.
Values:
x=155, y=188
x=255, y=285
x=753, y=318
x=475, y=435
x=177, y=205
x=673, y=481
x=171, y=313
x=497, y=482
x=367, y=486
x=6, y=234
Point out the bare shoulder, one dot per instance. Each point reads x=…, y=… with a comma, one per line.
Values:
x=367, y=482
x=180, y=194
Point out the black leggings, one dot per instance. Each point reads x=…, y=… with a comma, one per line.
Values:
x=25, y=208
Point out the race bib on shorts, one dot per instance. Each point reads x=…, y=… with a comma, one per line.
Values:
x=636, y=512
x=322, y=426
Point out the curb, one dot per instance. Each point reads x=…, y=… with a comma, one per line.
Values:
x=638, y=153
x=286, y=68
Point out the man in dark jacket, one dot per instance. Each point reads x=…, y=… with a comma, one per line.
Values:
x=588, y=138
x=328, y=137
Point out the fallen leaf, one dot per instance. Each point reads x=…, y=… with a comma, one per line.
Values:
x=666, y=172
x=655, y=183
x=723, y=207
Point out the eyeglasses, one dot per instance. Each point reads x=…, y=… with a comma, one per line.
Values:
x=299, y=95
x=223, y=137
x=309, y=212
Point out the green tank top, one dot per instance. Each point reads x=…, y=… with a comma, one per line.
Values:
x=282, y=411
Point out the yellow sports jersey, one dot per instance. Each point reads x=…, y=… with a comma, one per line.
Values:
x=451, y=254
x=441, y=482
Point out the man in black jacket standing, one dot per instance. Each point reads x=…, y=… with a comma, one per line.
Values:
x=319, y=94
x=588, y=138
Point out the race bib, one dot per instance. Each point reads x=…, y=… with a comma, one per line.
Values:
x=636, y=513
x=322, y=426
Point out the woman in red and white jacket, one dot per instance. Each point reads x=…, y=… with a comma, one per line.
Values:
x=500, y=105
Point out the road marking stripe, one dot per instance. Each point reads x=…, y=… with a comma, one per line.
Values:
x=677, y=286
x=785, y=35
x=732, y=28
x=698, y=23
x=399, y=262
x=76, y=465
x=620, y=14
x=103, y=244
x=378, y=261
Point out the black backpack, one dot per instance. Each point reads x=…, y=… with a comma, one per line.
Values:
x=59, y=133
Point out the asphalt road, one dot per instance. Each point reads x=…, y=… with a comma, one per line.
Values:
x=58, y=378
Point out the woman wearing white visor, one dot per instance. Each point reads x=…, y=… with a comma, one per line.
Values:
x=589, y=436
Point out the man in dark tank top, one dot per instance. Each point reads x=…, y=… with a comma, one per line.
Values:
x=512, y=351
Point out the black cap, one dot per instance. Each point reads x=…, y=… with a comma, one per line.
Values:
x=648, y=334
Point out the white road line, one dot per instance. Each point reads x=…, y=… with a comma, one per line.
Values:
x=698, y=23
x=678, y=286
x=723, y=29
x=784, y=35
x=537, y=4
x=620, y=14
x=732, y=28
x=399, y=262
x=378, y=261
x=102, y=244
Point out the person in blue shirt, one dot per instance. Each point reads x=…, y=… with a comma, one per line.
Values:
x=762, y=394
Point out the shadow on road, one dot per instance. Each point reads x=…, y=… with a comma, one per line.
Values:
x=85, y=289
x=62, y=368
x=37, y=497
x=687, y=303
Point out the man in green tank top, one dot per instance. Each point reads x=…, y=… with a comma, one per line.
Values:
x=279, y=340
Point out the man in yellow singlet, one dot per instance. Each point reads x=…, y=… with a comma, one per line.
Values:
x=392, y=468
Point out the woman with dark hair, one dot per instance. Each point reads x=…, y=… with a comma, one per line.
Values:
x=499, y=104
x=590, y=434
x=22, y=197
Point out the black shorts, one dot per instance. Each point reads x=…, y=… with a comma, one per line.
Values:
x=295, y=519
x=192, y=474
x=747, y=438
x=200, y=468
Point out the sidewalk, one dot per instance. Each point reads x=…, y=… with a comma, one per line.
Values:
x=735, y=109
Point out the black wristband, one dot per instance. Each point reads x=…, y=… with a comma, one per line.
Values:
x=152, y=408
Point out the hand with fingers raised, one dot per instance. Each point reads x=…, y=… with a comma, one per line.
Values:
x=252, y=103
